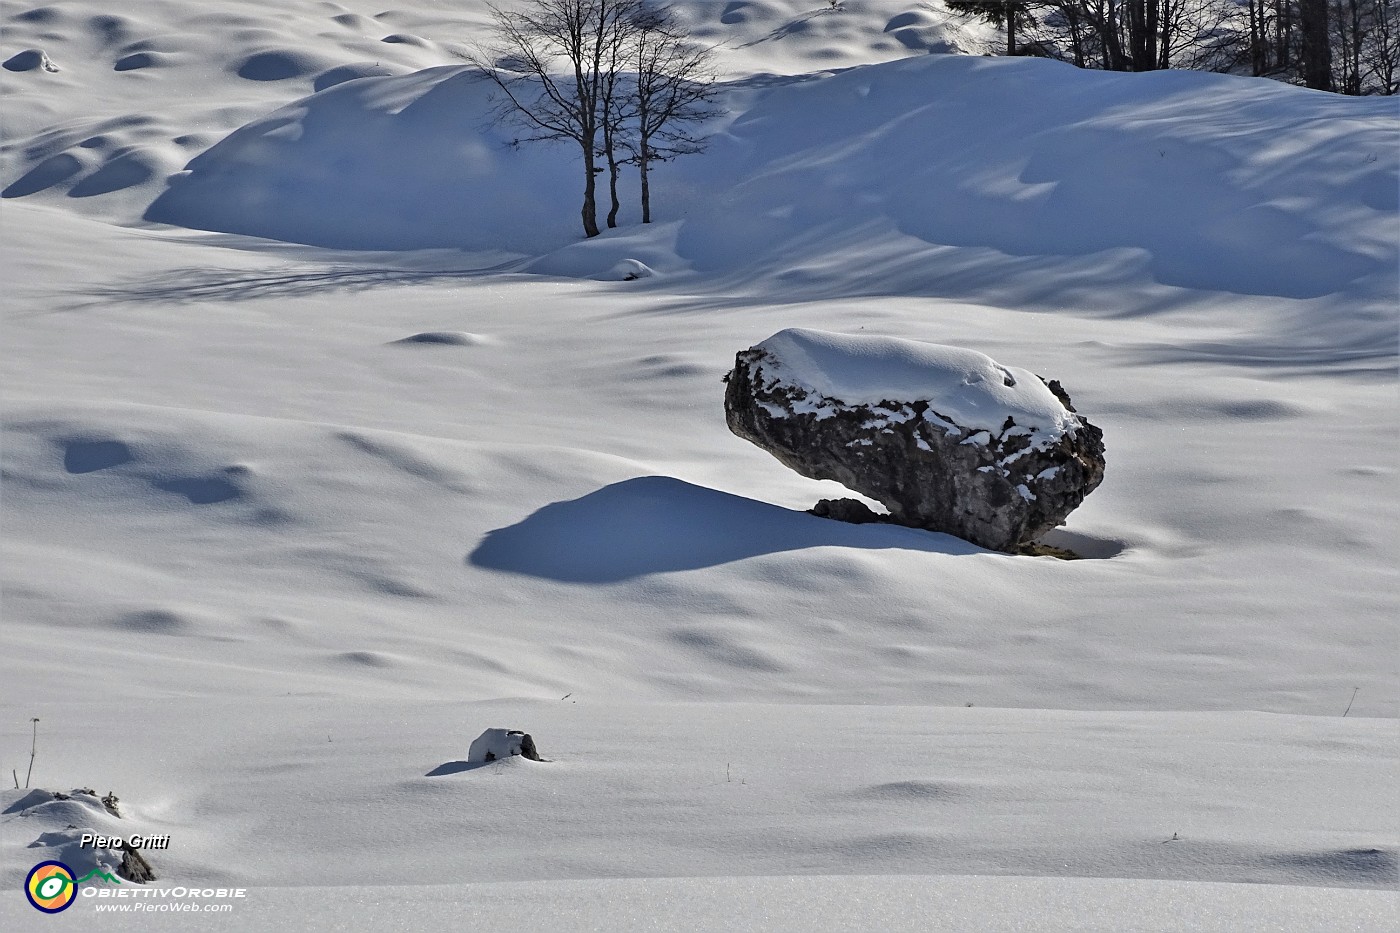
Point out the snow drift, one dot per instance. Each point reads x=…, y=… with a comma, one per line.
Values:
x=1210, y=182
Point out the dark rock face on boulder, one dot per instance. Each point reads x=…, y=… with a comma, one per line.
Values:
x=948, y=439
x=852, y=511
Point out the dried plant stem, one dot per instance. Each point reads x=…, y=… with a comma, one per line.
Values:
x=33, y=749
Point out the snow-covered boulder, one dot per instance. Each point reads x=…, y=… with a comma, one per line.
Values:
x=495, y=744
x=947, y=438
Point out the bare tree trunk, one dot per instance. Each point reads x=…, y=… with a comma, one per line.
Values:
x=1141, y=18
x=1076, y=35
x=1256, y=38
x=675, y=87
x=1356, y=35
x=643, y=169
x=1165, y=21
x=1317, y=47
x=1108, y=27
x=613, y=99
x=614, y=169
x=590, y=187
x=1151, y=26
x=1010, y=27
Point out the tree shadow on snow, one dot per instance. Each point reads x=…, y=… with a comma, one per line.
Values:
x=657, y=524
x=193, y=284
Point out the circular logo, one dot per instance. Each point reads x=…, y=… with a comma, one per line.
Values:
x=50, y=887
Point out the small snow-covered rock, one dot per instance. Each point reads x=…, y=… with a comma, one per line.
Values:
x=628, y=270
x=947, y=438
x=30, y=60
x=494, y=744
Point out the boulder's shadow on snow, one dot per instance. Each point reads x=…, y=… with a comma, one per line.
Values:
x=456, y=767
x=657, y=524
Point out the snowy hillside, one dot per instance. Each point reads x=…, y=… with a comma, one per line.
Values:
x=329, y=443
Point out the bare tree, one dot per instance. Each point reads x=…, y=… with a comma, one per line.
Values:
x=615, y=107
x=554, y=61
x=675, y=89
x=1381, y=50
x=1313, y=16
x=1350, y=46
x=618, y=77
x=1004, y=14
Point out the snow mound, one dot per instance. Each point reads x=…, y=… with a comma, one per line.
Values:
x=443, y=338
x=853, y=180
x=193, y=72
x=154, y=622
x=628, y=270
x=969, y=387
x=140, y=467
x=1205, y=181
x=30, y=60
x=353, y=71
x=382, y=163
x=793, y=36
x=123, y=168
x=278, y=65
x=617, y=255
x=139, y=60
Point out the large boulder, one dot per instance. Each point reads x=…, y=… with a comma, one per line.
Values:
x=946, y=438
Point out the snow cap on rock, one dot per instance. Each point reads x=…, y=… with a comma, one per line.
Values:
x=965, y=386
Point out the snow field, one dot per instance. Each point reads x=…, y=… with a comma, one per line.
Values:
x=328, y=445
